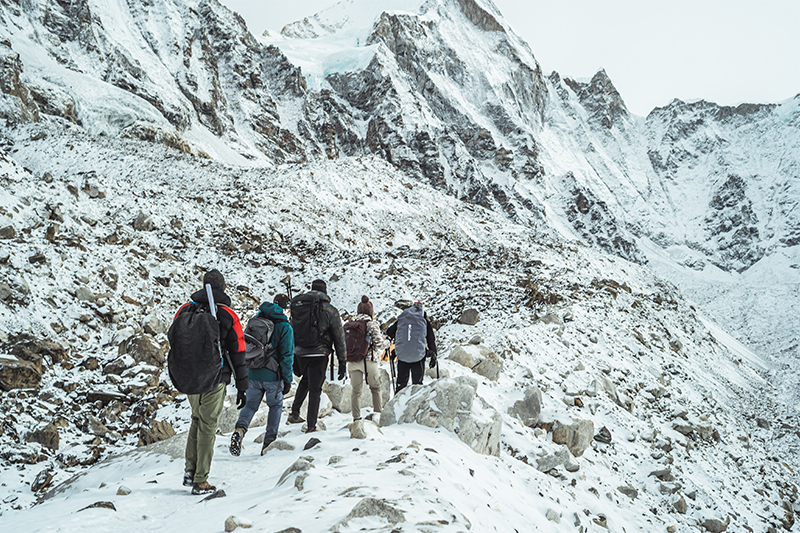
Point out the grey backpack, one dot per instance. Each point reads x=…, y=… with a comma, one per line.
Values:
x=412, y=329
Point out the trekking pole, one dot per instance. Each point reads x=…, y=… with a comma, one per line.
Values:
x=213, y=306
x=391, y=368
x=288, y=282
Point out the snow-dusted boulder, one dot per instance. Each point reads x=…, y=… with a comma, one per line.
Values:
x=451, y=404
x=479, y=359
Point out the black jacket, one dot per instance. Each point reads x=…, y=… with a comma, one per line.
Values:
x=332, y=332
x=231, y=336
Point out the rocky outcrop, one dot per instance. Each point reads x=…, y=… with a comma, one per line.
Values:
x=451, y=404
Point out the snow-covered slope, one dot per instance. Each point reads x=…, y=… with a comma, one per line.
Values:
x=108, y=244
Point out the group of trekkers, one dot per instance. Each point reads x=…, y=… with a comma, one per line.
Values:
x=287, y=336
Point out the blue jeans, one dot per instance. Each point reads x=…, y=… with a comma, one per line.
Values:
x=274, y=394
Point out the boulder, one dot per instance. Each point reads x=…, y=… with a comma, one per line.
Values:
x=469, y=317
x=452, y=404
x=119, y=365
x=479, y=359
x=144, y=348
x=371, y=507
x=8, y=232
x=17, y=374
x=144, y=222
x=154, y=431
x=529, y=408
x=576, y=436
x=155, y=325
x=550, y=461
x=46, y=435
x=43, y=480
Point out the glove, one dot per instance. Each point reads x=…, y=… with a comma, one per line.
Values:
x=241, y=399
x=287, y=386
x=342, y=372
x=432, y=362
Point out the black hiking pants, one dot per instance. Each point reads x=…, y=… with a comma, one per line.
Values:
x=417, y=371
x=313, y=369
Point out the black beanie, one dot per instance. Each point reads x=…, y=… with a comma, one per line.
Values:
x=215, y=279
x=364, y=307
x=282, y=301
x=319, y=285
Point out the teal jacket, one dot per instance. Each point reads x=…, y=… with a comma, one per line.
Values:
x=282, y=340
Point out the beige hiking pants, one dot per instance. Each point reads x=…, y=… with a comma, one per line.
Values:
x=356, y=371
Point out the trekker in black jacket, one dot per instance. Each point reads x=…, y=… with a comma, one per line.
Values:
x=312, y=348
x=414, y=341
x=207, y=407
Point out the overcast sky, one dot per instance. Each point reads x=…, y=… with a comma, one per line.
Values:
x=726, y=51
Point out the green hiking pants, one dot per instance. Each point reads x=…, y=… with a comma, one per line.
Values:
x=206, y=409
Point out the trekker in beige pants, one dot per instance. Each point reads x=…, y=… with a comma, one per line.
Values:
x=368, y=367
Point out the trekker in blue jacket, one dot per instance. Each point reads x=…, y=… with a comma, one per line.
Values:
x=264, y=382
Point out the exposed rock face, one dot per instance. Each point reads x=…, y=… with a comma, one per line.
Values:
x=451, y=404
x=601, y=99
x=17, y=105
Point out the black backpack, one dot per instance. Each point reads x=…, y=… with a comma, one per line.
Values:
x=259, y=352
x=306, y=311
x=195, y=359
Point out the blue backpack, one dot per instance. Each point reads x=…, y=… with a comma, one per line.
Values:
x=410, y=340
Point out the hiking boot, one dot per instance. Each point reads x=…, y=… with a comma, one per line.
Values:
x=203, y=488
x=188, y=478
x=236, y=441
x=294, y=418
x=265, y=445
x=311, y=430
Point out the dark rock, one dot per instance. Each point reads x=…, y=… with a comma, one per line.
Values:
x=90, y=363
x=106, y=397
x=144, y=223
x=153, y=431
x=663, y=475
x=8, y=232
x=604, y=435
x=469, y=317
x=764, y=424
x=103, y=505
x=681, y=506
x=214, y=495
x=628, y=491
x=42, y=480
x=145, y=349
x=46, y=435
x=714, y=525
x=313, y=441
x=17, y=374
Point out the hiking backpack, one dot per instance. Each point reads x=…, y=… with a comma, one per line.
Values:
x=306, y=310
x=357, y=340
x=195, y=359
x=410, y=340
x=259, y=352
